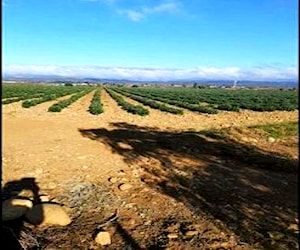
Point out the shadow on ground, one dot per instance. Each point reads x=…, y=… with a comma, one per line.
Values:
x=252, y=191
x=14, y=234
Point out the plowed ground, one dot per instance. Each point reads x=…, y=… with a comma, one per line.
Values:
x=207, y=190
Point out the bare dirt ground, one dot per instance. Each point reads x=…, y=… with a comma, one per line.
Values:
x=188, y=190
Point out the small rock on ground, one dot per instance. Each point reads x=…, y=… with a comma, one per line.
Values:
x=271, y=139
x=172, y=236
x=45, y=198
x=191, y=233
x=103, y=238
x=113, y=179
x=125, y=186
x=293, y=227
x=47, y=213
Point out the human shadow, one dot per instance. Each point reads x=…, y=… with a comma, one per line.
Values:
x=252, y=191
x=13, y=217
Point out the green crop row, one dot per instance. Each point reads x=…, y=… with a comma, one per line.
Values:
x=22, y=90
x=225, y=99
x=189, y=106
x=151, y=103
x=36, y=101
x=96, y=106
x=206, y=100
x=228, y=107
x=34, y=94
x=45, y=98
x=139, y=110
x=21, y=98
x=31, y=90
x=52, y=93
x=59, y=106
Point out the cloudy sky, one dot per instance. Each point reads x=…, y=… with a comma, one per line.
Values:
x=152, y=39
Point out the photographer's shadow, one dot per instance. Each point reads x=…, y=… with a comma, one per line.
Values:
x=18, y=197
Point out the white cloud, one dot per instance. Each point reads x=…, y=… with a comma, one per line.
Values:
x=167, y=7
x=132, y=15
x=141, y=12
x=138, y=12
x=159, y=74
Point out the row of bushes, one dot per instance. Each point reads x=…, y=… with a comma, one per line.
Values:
x=51, y=94
x=36, y=101
x=228, y=107
x=189, y=106
x=96, y=106
x=34, y=94
x=151, y=103
x=22, y=90
x=59, y=106
x=20, y=98
x=228, y=99
x=139, y=110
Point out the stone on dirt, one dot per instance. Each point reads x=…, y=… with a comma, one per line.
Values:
x=15, y=208
x=82, y=157
x=48, y=214
x=221, y=245
x=103, y=238
x=271, y=139
x=125, y=186
x=172, y=236
x=293, y=227
x=191, y=233
x=45, y=198
x=113, y=179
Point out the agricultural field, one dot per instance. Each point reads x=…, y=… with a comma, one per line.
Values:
x=221, y=99
x=178, y=168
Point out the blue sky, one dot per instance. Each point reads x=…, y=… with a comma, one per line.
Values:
x=152, y=39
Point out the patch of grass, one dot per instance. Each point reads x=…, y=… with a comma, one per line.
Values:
x=279, y=130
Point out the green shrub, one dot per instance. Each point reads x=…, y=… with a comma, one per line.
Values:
x=228, y=107
x=139, y=110
x=55, y=108
x=96, y=107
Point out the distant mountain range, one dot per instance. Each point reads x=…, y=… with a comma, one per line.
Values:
x=61, y=79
